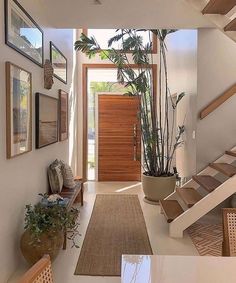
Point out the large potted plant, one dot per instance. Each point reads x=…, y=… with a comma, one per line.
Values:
x=160, y=138
x=44, y=230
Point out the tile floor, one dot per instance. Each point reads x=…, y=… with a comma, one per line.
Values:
x=64, y=265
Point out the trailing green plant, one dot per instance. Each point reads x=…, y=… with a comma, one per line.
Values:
x=41, y=219
x=160, y=137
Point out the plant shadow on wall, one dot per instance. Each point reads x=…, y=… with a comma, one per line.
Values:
x=157, y=109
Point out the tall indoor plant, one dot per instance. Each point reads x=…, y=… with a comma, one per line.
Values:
x=157, y=107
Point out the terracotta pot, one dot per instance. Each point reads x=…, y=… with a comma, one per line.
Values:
x=157, y=188
x=50, y=243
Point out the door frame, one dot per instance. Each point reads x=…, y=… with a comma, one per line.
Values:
x=85, y=68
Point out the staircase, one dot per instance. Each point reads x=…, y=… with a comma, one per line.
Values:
x=186, y=205
x=220, y=12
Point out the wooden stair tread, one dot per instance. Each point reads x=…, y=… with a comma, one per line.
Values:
x=230, y=152
x=171, y=209
x=225, y=168
x=189, y=195
x=221, y=7
x=231, y=26
x=209, y=183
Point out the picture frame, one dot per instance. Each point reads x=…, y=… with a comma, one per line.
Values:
x=59, y=63
x=18, y=110
x=22, y=33
x=63, y=115
x=46, y=110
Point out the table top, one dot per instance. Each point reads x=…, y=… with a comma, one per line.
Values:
x=177, y=269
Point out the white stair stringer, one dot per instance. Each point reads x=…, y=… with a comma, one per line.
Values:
x=206, y=204
x=225, y=158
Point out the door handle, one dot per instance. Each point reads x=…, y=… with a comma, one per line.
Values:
x=135, y=142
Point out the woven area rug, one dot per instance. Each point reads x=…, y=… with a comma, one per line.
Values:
x=116, y=227
x=207, y=238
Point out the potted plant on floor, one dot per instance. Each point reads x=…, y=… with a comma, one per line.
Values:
x=160, y=138
x=44, y=230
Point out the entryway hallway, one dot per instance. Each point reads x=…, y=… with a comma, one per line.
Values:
x=162, y=244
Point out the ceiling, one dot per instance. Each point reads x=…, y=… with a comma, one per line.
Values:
x=116, y=13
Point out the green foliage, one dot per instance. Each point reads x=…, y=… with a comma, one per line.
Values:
x=40, y=219
x=87, y=45
x=157, y=112
x=104, y=55
x=179, y=98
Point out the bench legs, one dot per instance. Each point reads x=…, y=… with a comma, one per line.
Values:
x=80, y=197
x=82, y=194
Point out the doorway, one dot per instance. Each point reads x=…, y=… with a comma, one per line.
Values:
x=97, y=78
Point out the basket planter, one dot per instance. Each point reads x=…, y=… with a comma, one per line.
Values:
x=50, y=243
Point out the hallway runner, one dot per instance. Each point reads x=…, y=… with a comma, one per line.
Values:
x=116, y=227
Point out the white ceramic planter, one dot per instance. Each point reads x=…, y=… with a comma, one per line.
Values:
x=157, y=188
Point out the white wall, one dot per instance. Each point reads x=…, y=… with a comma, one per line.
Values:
x=203, y=66
x=216, y=73
x=182, y=69
x=23, y=177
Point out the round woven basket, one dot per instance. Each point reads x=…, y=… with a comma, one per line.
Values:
x=50, y=243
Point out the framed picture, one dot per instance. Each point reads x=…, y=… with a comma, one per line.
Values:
x=18, y=110
x=59, y=63
x=46, y=108
x=22, y=33
x=63, y=115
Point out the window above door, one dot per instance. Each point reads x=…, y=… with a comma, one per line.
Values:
x=103, y=35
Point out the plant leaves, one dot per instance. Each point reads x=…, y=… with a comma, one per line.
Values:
x=180, y=96
x=104, y=54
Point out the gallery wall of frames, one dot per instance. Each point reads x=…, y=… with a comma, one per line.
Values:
x=25, y=36
x=25, y=70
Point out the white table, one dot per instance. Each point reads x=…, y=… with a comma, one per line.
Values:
x=178, y=269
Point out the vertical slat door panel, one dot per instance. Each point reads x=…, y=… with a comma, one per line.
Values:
x=118, y=159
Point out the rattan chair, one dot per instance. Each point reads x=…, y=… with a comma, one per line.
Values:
x=229, y=232
x=40, y=272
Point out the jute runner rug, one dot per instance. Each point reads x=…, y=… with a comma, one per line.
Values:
x=116, y=227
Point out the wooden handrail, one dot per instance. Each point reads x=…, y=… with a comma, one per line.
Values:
x=218, y=101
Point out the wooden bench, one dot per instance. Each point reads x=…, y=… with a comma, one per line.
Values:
x=74, y=195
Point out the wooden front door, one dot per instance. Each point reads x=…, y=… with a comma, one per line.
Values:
x=118, y=138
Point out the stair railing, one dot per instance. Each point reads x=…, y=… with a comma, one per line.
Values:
x=218, y=101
